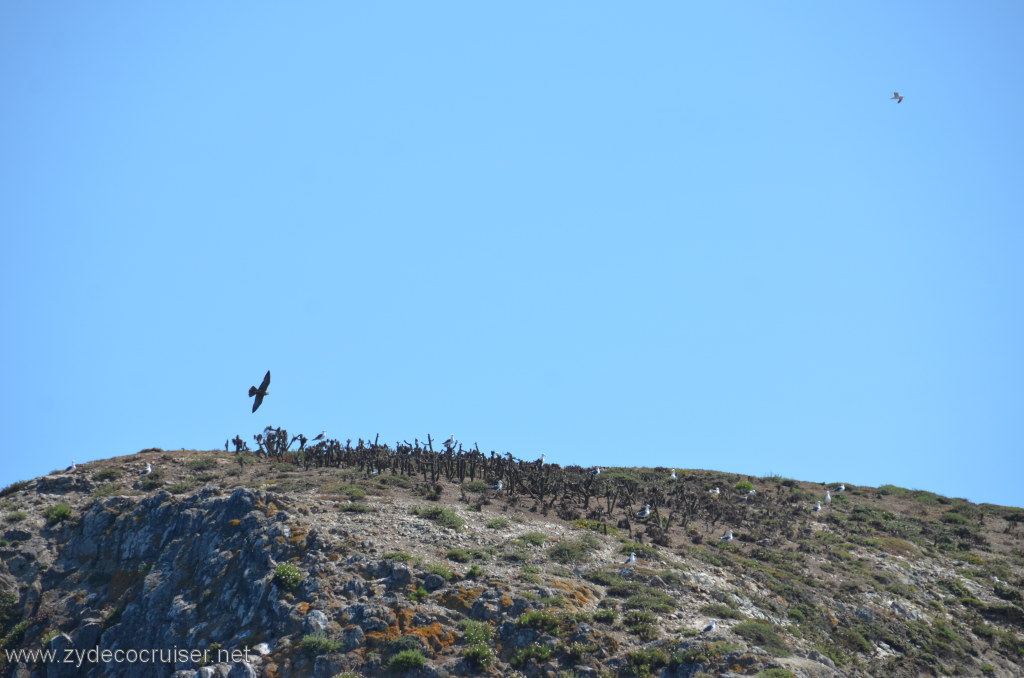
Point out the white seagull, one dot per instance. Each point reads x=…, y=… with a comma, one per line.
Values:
x=631, y=559
x=450, y=442
x=751, y=493
x=842, y=488
x=542, y=458
x=147, y=471
x=828, y=498
x=715, y=492
x=897, y=97
x=710, y=627
x=646, y=512
x=596, y=471
x=673, y=476
x=321, y=436
x=727, y=537
x=817, y=508
x=497, y=488
x=72, y=467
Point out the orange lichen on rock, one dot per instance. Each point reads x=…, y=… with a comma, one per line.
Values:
x=303, y=608
x=461, y=600
x=404, y=616
x=436, y=636
x=271, y=510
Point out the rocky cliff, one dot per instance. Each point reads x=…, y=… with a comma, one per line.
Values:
x=376, y=561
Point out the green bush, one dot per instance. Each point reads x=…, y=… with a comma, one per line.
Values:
x=14, y=487
x=651, y=599
x=605, y=615
x=401, y=644
x=719, y=611
x=534, y=651
x=743, y=486
x=540, y=620
x=181, y=487
x=440, y=570
x=57, y=513
x=320, y=643
x=475, y=486
x=106, y=490
x=420, y=594
x=106, y=474
x=644, y=662
x=202, y=464
x=532, y=539
x=399, y=556
x=574, y=550
x=475, y=632
x=498, y=523
x=407, y=660
x=444, y=517
x=479, y=656
x=16, y=516
x=763, y=635
x=288, y=575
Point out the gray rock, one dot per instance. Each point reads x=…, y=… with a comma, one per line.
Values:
x=433, y=582
x=316, y=621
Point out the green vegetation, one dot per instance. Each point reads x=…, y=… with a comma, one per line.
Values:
x=182, y=486
x=16, y=516
x=498, y=523
x=644, y=662
x=14, y=487
x=605, y=615
x=480, y=656
x=763, y=635
x=202, y=464
x=574, y=550
x=719, y=611
x=466, y=555
x=743, y=486
x=407, y=660
x=419, y=595
x=534, y=651
x=475, y=632
x=57, y=513
x=532, y=539
x=288, y=575
x=106, y=475
x=444, y=517
x=400, y=556
x=354, y=507
x=440, y=570
x=320, y=643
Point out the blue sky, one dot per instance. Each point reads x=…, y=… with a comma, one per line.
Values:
x=682, y=234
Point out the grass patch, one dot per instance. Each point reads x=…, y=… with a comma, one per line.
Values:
x=532, y=539
x=645, y=662
x=181, y=487
x=475, y=632
x=444, y=517
x=574, y=550
x=763, y=635
x=466, y=555
x=720, y=611
x=440, y=570
x=106, y=475
x=407, y=660
x=320, y=643
x=202, y=464
x=498, y=523
x=16, y=516
x=57, y=513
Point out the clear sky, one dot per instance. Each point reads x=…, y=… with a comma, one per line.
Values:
x=690, y=234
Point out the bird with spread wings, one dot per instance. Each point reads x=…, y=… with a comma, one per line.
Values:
x=260, y=392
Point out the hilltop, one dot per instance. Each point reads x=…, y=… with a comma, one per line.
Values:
x=360, y=559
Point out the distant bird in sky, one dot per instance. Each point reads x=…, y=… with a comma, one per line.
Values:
x=715, y=492
x=498, y=487
x=147, y=470
x=260, y=392
x=897, y=97
x=645, y=512
x=321, y=436
x=828, y=498
x=817, y=507
x=710, y=627
x=631, y=559
x=673, y=476
x=727, y=537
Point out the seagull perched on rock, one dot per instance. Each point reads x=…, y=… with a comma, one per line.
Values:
x=498, y=487
x=842, y=488
x=828, y=498
x=710, y=627
x=596, y=471
x=727, y=537
x=645, y=512
x=631, y=559
x=715, y=492
x=751, y=493
x=673, y=475
x=817, y=507
x=72, y=467
x=897, y=96
x=260, y=392
x=147, y=470
x=322, y=435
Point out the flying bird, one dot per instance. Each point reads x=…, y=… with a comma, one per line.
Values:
x=897, y=97
x=260, y=392
x=727, y=537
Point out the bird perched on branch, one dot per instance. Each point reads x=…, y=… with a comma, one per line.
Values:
x=897, y=97
x=321, y=436
x=260, y=392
